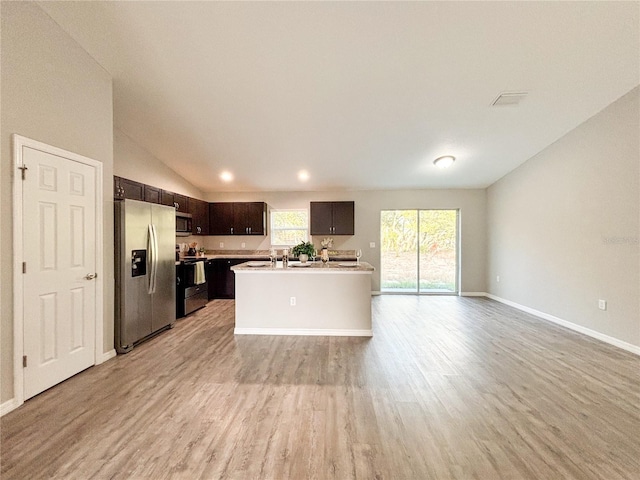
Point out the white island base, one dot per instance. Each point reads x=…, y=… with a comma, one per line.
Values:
x=315, y=300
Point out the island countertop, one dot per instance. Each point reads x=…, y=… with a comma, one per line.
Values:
x=309, y=267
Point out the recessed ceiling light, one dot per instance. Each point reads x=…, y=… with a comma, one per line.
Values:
x=226, y=176
x=444, y=162
x=303, y=175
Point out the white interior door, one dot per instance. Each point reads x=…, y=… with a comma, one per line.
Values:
x=59, y=248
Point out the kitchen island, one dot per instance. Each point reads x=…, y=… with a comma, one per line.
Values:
x=316, y=299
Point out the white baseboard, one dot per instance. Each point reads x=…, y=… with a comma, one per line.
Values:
x=8, y=406
x=303, y=331
x=106, y=356
x=572, y=326
x=473, y=294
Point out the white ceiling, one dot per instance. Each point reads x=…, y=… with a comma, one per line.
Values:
x=362, y=95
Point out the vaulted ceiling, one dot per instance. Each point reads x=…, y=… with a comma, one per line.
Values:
x=362, y=95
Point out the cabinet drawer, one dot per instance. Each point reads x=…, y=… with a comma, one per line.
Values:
x=194, y=302
x=195, y=290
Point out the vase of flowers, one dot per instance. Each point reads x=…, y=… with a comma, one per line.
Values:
x=324, y=254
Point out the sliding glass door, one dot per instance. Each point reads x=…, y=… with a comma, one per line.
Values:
x=419, y=251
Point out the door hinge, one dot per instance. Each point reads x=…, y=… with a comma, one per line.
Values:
x=24, y=267
x=24, y=361
x=24, y=171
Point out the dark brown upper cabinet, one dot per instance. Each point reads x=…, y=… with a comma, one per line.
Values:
x=200, y=216
x=151, y=194
x=166, y=198
x=125, y=188
x=181, y=203
x=332, y=218
x=239, y=218
x=250, y=218
x=221, y=219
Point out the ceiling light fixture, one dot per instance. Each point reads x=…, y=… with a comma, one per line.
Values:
x=226, y=176
x=444, y=162
x=303, y=175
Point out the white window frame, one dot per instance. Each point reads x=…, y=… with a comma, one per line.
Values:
x=273, y=229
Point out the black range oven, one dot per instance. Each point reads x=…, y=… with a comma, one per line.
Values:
x=191, y=286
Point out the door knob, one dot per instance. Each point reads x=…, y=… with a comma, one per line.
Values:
x=90, y=276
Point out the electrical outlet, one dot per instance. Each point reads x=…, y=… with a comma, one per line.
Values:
x=498, y=278
x=372, y=244
x=221, y=244
x=292, y=301
x=242, y=245
x=602, y=304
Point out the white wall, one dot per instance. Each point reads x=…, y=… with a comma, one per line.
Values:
x=564, y=227
x=132, y=161
x=368, y=205
x=54, y=92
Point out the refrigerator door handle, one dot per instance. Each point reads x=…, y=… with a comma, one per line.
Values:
x=152, y=260
x=156, y=255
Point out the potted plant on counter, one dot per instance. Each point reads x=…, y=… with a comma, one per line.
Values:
x=303, y=251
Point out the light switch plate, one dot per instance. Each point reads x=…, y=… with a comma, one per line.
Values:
x=221, y=244
x=372, y=244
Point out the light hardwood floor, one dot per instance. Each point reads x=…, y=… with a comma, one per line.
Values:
x=448, y=388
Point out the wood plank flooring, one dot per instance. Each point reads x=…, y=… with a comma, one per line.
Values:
x=447, y=388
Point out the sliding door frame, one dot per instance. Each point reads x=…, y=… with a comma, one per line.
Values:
x=458, y=255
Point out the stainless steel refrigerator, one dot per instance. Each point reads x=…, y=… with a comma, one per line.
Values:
x=145, y=275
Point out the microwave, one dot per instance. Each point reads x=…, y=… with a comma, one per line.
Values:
x=183, y=224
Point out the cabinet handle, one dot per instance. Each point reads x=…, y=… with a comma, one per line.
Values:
x=250, y=231
x=231, y=230
x=198, y=229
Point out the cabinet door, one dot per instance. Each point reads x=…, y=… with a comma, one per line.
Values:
x=321, y=218
x=117, y=189
x=166, y=198
x=181, y=202
x=131, y=189
x=256, y=218
x=200, y=212
x=221, y=219
x=249, y=218
x=240, y=226
x=151, y=194
x=209, y=272
x=222, y=278
x=343, y=218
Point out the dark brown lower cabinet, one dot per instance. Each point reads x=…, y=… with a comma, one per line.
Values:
x=221, y=280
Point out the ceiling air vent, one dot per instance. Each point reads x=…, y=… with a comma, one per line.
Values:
x=509, y=98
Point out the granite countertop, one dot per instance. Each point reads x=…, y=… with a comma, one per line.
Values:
x=334, y=255
x=315, y=267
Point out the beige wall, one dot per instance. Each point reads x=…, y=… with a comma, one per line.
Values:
x=132, y=161
x=564, y=227
x=53, y=92
x=368, y=205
